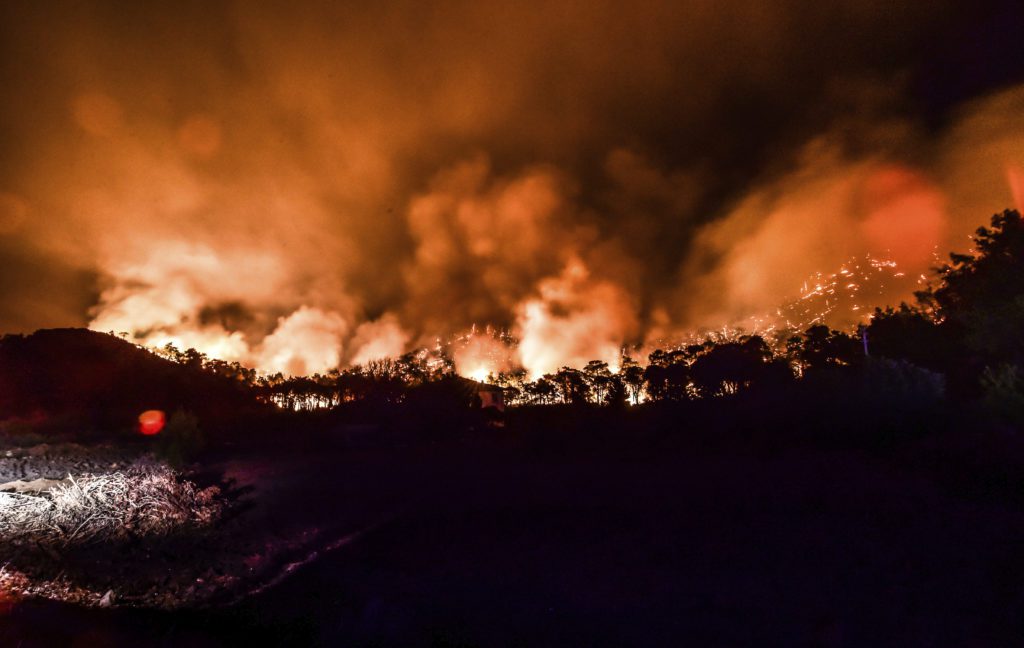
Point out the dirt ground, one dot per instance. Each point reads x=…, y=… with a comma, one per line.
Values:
x=489, y=544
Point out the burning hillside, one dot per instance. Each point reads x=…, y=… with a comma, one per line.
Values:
x=303, y=203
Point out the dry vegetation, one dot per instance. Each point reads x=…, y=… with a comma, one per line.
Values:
x=146, y=499
x=69, y=539
x=130, y=532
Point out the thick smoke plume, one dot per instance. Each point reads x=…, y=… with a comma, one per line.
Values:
x=303, y=189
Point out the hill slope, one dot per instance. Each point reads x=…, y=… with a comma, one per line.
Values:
x=103, y=379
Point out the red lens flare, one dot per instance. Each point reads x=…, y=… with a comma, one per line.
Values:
x=151, y=422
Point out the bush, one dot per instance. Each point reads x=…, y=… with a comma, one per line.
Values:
x=901, y=385
x=1004, y=393
x=181, y=440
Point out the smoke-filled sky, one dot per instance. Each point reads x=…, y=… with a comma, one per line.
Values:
x=303, y=185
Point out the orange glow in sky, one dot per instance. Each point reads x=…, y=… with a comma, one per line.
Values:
x=905, y=216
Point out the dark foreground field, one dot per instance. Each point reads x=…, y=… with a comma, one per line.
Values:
x=498, y=541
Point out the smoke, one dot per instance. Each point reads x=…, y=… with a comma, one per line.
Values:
x=296, y=190
x=827, y=211
x=981, y=157
x=305, y=342
x=573, y=319
x=377, y=340
x=481, y=243
x=833, y=206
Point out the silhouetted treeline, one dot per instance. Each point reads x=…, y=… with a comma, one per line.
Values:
x=960, y=341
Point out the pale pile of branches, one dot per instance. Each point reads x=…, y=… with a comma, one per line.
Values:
x=146, y=499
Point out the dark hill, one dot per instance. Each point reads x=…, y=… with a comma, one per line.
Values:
x=100, y=379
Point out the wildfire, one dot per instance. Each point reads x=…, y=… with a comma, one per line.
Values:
x=575, y=319
x=480, y=354
x=829, y=297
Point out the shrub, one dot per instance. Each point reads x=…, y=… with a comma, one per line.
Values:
x=901, y=385
x=181, y=440
x=1004, y=393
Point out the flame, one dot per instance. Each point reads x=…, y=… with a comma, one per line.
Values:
x=478, y=355
x=574, y=319
x=212, y=342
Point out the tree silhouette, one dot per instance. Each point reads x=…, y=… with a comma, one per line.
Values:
x=599, y=380
x=542, y=391
x=731, y=366
x=821, y=347
x=982, y=293
x=632, y=375
x=572, y=385
x=907, y=333
x=656, y=375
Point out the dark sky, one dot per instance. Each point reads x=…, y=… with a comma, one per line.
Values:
x=301, y=184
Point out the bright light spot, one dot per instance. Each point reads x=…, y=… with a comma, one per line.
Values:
x=151, y=422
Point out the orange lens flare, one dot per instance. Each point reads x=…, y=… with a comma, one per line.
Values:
x=151, y=422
